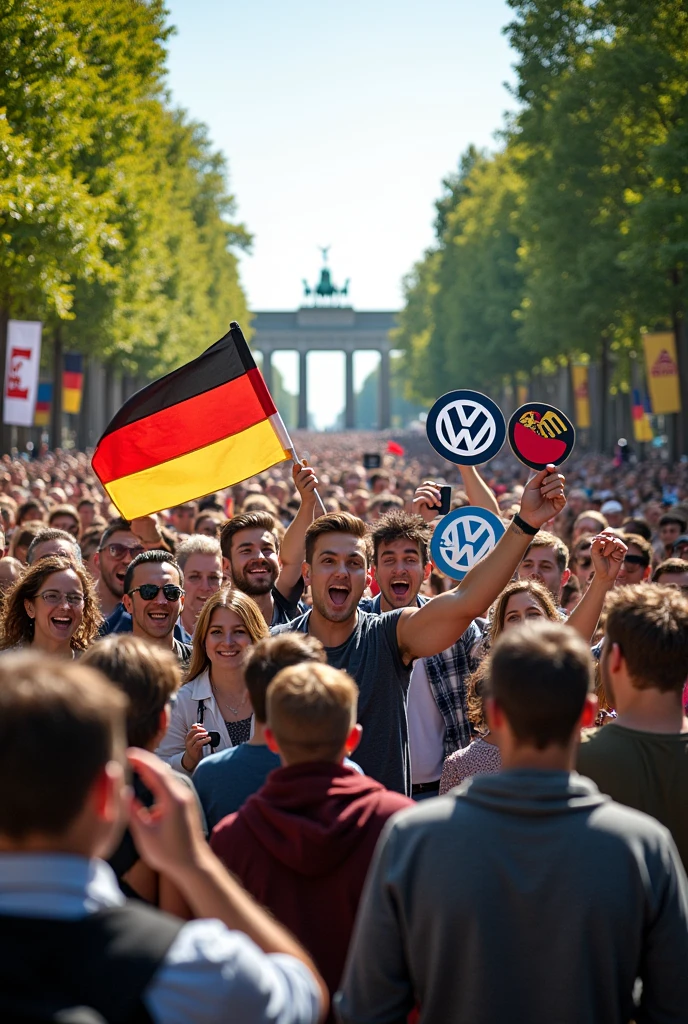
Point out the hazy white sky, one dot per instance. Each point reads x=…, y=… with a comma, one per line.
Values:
x=339, y=122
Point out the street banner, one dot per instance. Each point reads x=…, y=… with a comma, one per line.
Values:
x=642, y=428
x=581, y=394
x=44, y=400
x=21, y=371
x=662, y=372
x=199, y=429
x=72, y=382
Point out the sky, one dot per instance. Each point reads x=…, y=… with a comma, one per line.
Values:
x=339, y=123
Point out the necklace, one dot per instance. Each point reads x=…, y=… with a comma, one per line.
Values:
x=235, y=711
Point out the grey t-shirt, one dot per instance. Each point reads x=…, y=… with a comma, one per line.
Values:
x=371, y=655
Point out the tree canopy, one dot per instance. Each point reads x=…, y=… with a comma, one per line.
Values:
x=572, y=235
x=116, y=224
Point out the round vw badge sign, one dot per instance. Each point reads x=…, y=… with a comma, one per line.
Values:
x=466, y=428
x=464, y=537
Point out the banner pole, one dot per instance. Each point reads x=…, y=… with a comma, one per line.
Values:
x=286, y=440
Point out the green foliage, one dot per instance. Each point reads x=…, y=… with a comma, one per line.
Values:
x=574, y=236
x=114, y=213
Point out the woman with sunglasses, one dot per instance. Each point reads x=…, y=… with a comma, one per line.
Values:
x=52, y=607
x=213, y=709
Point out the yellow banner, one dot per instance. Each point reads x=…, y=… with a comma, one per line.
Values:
x=521, y=394
x=662, y=372
x=581, y=395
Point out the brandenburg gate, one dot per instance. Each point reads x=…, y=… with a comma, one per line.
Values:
x=327, y=326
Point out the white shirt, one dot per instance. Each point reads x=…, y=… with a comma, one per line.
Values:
x=426, y=728
x=210, y=975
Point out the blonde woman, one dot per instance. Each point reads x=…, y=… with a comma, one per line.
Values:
x=213, y=709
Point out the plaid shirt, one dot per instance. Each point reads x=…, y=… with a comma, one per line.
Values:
x=447, y=674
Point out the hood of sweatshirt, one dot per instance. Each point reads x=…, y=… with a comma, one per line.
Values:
x=537, y=793
x=311, y=817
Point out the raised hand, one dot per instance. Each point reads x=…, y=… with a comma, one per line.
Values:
x=607, y=552
x=168, y=835
x=543, y=497
x=306, y=481
x=427, y=500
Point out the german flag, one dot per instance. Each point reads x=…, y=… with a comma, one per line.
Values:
x=205, y=426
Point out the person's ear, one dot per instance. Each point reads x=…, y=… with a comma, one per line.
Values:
x=353, y=739
x=270, y=740
x=128, y=603
x=372, y=573
x=29, y=608
x=226, y=567
x=427, y=571
x=494, y=716
x=589, y=713
x=306, y=573
x=96, y=560
x=647, y=573
x=615, y=658
x=107, y=792
x=565, y=577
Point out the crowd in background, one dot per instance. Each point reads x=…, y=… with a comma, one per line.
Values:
x=307, y=676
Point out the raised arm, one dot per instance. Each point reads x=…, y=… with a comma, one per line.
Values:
x=422, y=632
x=170, y=840
x=293, y=546
x=477, y=491
x=607, y=552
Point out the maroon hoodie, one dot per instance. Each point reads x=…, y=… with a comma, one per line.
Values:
x=302, y=846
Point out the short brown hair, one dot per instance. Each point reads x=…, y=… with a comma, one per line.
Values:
x=311, y=710
x=246, y=521
x=146, y=673
x=244, y=606
x=550, y=540
x=400, y=525
x=60, y=724
x=270, y=656
x=650, y=626
x=643, y=545
x=16, y=626
x=670, y=567
x=539, y=675
x=23, y=535
x=336, y=522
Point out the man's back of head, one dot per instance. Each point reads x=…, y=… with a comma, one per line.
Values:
x=269, y=656
x=311, y=714
x=539, y=682
x=61, y=724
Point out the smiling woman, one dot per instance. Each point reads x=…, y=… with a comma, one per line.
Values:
x=51, y=607
x=213, y=710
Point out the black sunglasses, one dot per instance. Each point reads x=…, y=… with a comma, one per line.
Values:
x=149, y=591
x=636, y=560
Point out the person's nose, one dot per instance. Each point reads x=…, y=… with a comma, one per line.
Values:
x=160, y=598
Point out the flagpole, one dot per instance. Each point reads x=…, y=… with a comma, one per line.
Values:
x=288, y=444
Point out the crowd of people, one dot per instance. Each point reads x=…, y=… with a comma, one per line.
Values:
x=261, y=761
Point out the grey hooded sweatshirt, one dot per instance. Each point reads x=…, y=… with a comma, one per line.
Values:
x=524, y=897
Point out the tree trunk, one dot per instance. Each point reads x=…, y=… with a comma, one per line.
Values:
x=604, y=395
x=680, y=335
x=5, y=441
x=56, y=411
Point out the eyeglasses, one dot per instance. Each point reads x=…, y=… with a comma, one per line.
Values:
x=631, y=560
x=118, y=551
x=584, y=563
x=55, y=597
x=149, y=591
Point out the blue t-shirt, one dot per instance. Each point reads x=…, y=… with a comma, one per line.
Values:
x=224, y=781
